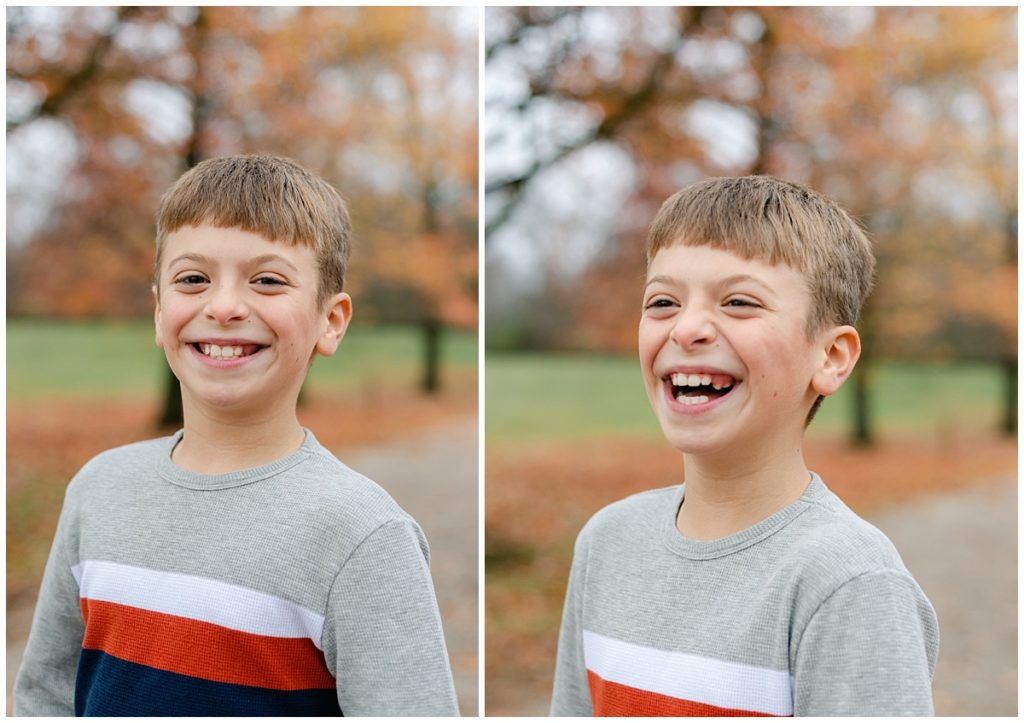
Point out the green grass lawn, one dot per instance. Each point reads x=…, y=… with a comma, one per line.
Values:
x=119, y=359
x=535, y=397
x=528, y=396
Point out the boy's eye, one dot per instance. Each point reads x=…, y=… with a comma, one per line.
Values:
x=269, y=281
x=739, y=302
x=190, y=279
x=659, y=303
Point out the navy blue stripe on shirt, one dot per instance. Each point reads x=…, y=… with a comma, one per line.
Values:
x=113, y=687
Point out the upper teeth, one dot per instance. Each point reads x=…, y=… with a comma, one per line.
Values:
x=697, y=380
x=221, y=352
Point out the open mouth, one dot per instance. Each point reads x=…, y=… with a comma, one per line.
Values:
x=693, y=389
x=216, y=351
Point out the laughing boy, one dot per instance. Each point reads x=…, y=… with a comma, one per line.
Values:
x=237, y=568
x=751, y=589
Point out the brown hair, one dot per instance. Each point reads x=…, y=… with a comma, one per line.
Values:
x=765, y=218
x=268, y=195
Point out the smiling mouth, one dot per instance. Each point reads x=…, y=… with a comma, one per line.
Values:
x=690, y=389
x=227, y=351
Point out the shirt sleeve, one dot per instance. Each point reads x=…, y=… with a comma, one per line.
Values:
x=45, y=684
x=571, y=696
x=383, y=630
x=869, y=650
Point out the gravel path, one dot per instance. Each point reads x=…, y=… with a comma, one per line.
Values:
x=962, y=549
x=433, y=476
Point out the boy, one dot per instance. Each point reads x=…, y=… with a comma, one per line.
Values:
x=751, y=589
x=237, y=567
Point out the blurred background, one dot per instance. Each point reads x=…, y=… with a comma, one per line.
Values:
x=905, y=116
x=106, y=107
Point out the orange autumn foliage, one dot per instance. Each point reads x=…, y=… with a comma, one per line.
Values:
x=379, y=101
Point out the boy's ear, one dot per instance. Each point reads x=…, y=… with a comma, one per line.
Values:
x=338, y=314
x=840, y=350
x=156, y=317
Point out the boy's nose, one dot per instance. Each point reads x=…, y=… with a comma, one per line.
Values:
x=225, y=305
x=693, y=327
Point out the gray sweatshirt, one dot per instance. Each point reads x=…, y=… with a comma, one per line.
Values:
x=295, y=588
x=810, y=612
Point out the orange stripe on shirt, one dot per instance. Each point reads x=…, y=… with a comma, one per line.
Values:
x=203, y=650
x=614, y=699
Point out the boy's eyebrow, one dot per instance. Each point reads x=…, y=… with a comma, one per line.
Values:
x=256, y=260
x=266, y=258
x=734, y=279
x=187, y=257
x=660, y=278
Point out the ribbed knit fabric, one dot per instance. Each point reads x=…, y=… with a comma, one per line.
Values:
x=295, y=588
x=809, y=612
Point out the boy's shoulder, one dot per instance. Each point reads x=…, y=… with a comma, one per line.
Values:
x=323, y=480
x=638, y=506
x=123, y=461
x=639, y=513
x=832, y=537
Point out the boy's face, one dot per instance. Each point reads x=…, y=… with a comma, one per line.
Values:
x=238, y=318
x=726, y=360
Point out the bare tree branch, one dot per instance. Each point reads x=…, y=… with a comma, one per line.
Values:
x=527, y=23
x=75, y=81
x=629, y=106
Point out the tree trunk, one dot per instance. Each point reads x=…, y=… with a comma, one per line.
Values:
x=431, y=383
x=863, y=434
x=1009, y=362
x=1009, y=422
x=172, y=414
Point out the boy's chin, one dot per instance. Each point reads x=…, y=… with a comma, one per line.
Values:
x=693, y=442
x=694, y=450
x=224, y=403
x=223, y=399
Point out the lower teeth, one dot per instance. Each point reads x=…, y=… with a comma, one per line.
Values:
x=691, y=400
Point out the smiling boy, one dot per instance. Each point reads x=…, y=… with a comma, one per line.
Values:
x=237, y=567
x=751, y=589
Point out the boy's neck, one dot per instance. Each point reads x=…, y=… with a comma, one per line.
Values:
x=723, y=498
x=215, y=443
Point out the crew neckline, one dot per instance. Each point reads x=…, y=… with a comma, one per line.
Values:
x=181, y=477
x=710, y=549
